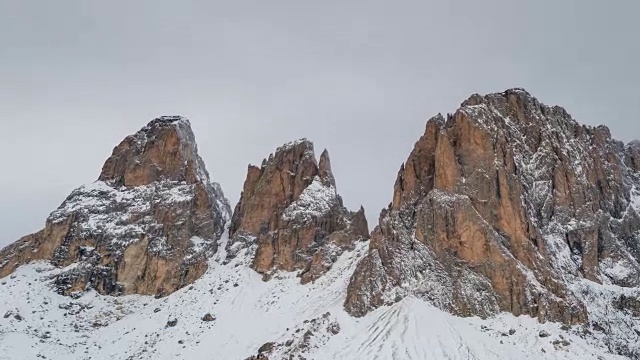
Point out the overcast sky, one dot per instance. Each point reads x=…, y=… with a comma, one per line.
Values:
x=357, y=77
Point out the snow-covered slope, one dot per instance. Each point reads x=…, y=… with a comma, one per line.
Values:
x=282, y=316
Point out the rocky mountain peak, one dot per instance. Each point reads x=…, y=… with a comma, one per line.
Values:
x=633, y=152
x=324, y=168
x=147, y=226
x=518, y=103
x=505, y=205
x=290, y=169
x=291, y=215
x=165, y=149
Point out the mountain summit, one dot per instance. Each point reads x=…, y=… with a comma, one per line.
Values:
x=147, y=226
x=164, y=150
x=507, y=205
x=291, y=214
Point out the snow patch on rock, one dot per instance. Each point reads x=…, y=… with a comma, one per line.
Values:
x=250, y=314
x=314, y=202
x=118, y=213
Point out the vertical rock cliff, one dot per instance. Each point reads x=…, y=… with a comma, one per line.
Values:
x=291, y=215
x=147, y=226
x=505, y=205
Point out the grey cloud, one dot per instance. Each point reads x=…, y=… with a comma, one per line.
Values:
x=359, y=78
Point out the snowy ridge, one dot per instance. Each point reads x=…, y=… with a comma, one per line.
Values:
x=292, y=144
x=118, y=238
x=120, y=214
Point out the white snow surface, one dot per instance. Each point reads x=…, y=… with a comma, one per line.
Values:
x=635, y=199
x=250, y=312
x=315, y=201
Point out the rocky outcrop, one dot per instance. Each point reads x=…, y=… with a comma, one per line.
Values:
x=290, y=214
x=633, y=153
x=501, y=207
x=147, y=226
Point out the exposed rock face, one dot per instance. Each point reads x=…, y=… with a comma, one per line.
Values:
x=147, y=226
x=501, y=207
x=291, y=214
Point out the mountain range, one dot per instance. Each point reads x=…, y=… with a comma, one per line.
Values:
x=513, y=232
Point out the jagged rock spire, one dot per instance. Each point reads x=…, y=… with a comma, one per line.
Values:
x=324, y=166
x=290, y=211
x=280, y=180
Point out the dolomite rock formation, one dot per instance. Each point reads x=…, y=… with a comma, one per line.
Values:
x=291, y=215
x=147, y=226
x=503, y=206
